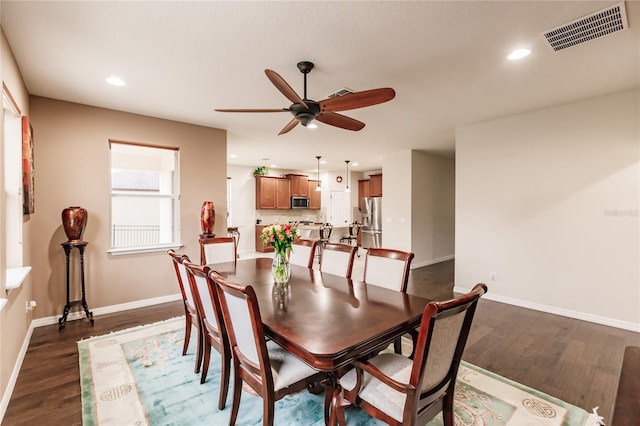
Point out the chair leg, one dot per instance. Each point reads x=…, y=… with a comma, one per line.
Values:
x=224, y=383
x=268, y=405
x=199, y=350
x=447, y=408
x=187, y=332
x=206, y=360
x=237, y=390
x=397, y=345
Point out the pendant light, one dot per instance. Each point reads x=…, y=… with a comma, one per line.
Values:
x=347, y=190
x=318, y=189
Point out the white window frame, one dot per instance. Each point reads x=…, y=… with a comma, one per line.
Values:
x=11, y=217
x=174, y=197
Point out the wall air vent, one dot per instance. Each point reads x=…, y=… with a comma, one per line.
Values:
x=598, y=24
x=341, y=92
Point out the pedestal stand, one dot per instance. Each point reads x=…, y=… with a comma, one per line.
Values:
x=68, y=246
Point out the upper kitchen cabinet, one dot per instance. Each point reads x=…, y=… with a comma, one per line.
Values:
x=299, y=185
x=375, y=186
x=363, y=191
x=273, y=193
x=315, y=197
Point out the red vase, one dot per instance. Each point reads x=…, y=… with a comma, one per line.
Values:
x=207, y=218
x=74, y=220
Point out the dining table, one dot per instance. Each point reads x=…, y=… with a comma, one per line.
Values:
x=325, y=320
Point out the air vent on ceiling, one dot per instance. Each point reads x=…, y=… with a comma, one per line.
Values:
x=598, y=24
x=341, y=92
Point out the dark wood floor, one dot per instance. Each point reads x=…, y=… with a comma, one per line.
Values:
x=576, y=361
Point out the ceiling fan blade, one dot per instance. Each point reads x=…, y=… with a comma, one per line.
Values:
x=293, y=123
x=252, y=110
x=284, y=87
x=339, y=120
x=357, y=100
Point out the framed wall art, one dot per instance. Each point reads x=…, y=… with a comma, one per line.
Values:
x=28, y=205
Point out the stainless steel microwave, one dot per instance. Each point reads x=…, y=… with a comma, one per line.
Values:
x=299, y=202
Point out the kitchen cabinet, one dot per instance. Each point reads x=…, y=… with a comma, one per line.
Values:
x=375, y=185
x=260, y=247
x=272, y=193
x=315, y=197
x=299, y=185
x=363, y=190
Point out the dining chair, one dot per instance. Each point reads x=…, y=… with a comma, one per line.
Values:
x=214, y=331
x=337, y=259
x=217, y=250
x=403, y=391
x=190, y=311
x=390, y=269
x=303, y=252
x=267, y=368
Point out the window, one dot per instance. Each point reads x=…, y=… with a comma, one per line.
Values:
x=145, y=197
x=11, y=212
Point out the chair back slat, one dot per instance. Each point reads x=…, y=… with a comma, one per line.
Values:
x=302, y=253
x=441, y=340
x=337, y=259
x=388, y=268
x=242, y=327
x=217, y=250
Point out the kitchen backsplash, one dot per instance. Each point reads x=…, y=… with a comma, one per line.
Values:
x=283, y=216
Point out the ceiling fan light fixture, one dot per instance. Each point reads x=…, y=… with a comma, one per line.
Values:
x=312, y=126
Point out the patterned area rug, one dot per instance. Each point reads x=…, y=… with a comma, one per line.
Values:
x=139, y=377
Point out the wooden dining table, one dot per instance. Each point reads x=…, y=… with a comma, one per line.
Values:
x=326, y=320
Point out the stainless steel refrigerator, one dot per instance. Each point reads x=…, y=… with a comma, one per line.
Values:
x=371, y=231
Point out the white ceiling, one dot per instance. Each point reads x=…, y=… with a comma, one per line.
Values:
x=445, y=60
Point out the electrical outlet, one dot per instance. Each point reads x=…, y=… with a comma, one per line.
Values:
x=493, y=276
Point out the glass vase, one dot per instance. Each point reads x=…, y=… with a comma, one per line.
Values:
x=280, y=269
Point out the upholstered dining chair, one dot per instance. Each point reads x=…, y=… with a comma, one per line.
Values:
x=402, y=391
x=190, y=311
x=337, y=259
x=267, y=368
x=389, y=269
x=303, y=252
x=214, y=331
x=217, y=250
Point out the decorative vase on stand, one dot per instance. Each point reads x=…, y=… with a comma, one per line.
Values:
x=74, y=220
x=280, y=269
x=208, y=219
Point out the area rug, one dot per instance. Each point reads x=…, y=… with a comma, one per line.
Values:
x=139, y=377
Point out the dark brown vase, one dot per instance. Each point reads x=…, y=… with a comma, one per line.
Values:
x=74, y=219
x=207, y=218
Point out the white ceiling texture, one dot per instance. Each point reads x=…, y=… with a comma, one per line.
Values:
x=446, y=61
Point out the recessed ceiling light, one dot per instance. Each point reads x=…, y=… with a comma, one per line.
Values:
x=518, y=54
x=116, y=81
x=323, y=162
x=354, y=164
x=233, y=156
x=273, y=166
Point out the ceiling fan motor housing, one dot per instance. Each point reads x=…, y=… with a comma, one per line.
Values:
x=305, y=115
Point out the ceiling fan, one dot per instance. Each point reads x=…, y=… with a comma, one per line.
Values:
x=306, y=110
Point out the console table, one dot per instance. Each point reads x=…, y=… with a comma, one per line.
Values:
x=68, y=246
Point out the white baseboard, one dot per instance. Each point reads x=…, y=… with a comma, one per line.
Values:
x=611, y=322
x=6, y=395
x=76, y=315
x=416, y=265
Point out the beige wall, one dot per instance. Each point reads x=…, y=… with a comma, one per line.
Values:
x=432, y=208
x=548, y=200
x=14, y=323
x=72, y=168
x=418, y=205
